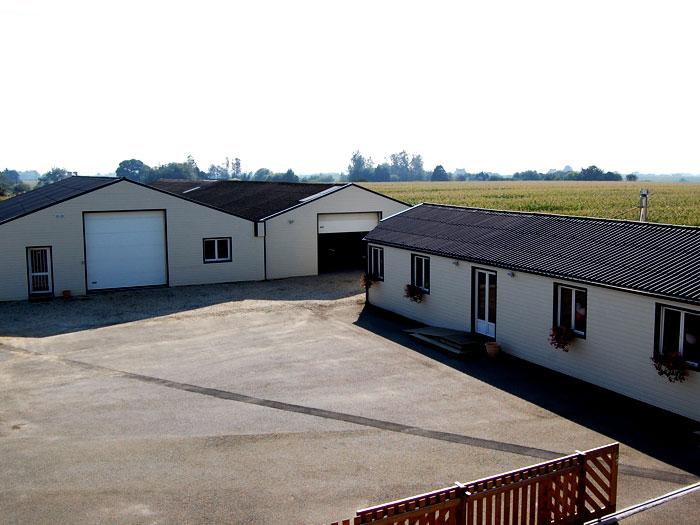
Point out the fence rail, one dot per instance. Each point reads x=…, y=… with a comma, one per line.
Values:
x=571, y=489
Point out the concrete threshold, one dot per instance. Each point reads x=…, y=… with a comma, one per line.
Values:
x=453, y=342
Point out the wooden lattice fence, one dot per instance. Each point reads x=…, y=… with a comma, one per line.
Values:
x=571, y=489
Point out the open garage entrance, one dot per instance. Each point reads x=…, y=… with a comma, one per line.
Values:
x=340, y=244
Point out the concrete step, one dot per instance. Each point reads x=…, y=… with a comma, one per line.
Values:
x=458, y=351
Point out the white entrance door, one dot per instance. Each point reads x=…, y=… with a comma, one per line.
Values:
x=125, y=249
x=39, y=270
x=485, y=302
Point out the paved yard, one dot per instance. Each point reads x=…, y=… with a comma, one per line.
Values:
x=280, y=402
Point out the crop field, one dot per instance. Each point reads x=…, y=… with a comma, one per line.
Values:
x=669, y=202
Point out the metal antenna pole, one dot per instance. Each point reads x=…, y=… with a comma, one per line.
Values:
x=643, y=204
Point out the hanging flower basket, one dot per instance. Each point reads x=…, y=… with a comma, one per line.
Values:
x=413, y=293
x=672, y=366
x=560, y=337
x=367, y=280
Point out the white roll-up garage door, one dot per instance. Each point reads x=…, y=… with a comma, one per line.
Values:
x=347, y=222
x=125, y=249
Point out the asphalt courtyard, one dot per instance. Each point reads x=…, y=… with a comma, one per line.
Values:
x=283, y=402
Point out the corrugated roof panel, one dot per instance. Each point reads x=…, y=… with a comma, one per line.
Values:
x=48, y=195
x=655, y=258
x=253, y=200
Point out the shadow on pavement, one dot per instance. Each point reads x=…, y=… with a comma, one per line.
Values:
x=61, y=316
x=655, y=432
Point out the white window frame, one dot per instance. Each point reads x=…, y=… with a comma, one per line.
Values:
x=681, y=330
x=217, y=256
x=376, y=262
x=571, y=322
x=424, y=263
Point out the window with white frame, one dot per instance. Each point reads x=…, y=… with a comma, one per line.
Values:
x=678, y=331
x=376, y=262
x=570, y=308
x=420, y=272
x=217, y=250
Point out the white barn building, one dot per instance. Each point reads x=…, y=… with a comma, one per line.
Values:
x=628, y=290
x=90, y=234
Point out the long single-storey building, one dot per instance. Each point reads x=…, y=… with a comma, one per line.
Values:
x=87, y=234
x=629, y=291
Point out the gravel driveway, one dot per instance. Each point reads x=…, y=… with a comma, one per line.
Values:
x=277, y=402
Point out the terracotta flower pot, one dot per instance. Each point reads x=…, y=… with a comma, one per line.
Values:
x=493, y=348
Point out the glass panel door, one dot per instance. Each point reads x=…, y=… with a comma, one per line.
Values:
x=485, y=303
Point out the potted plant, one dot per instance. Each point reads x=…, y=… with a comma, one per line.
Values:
x=367, y=280
x=672, y=366
x=560, y=337
x=413, y=293
x=493, y=348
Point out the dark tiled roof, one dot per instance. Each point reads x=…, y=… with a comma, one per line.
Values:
x=657, y=259
x=248, y=199
x=45, y=196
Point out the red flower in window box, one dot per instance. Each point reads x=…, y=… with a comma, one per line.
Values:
x=367, y=280
x=413, y=293
x=560, y=337
x=672, y=366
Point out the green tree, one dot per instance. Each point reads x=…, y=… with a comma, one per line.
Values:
x=360, y=168
x=235, y=168
x=400, y=165
x=416, y=168
x=288, y=176
x=382, y=173
x=262, y=174
x=21, y=188
x=53, y=175
x=591, y=173
x=631, y=177
x=194, y=169
x=439, y=174
x=8, y=179
x=11, y=176
x=527, y=175
x=175, y=170
x=134, y=169
x=217, y=172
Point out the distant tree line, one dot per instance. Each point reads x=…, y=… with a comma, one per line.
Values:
x=136, y=170
x=11, y=183
x=400, y=166
x=589, y=173
x=403, y=166
x=11, y=180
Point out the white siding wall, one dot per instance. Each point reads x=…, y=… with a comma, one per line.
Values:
x=447, y=305
x=292, y=248
x=619, y=334
x=187, y=224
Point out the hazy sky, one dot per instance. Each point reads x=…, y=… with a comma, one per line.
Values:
x=494, y=85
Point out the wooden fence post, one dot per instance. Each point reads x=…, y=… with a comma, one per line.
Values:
x=461, y=509
x=581, y=499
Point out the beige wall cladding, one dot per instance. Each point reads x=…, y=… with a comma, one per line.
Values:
x=620, y=329
x=61, y=227
x=447, y=305
x=292, y=238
